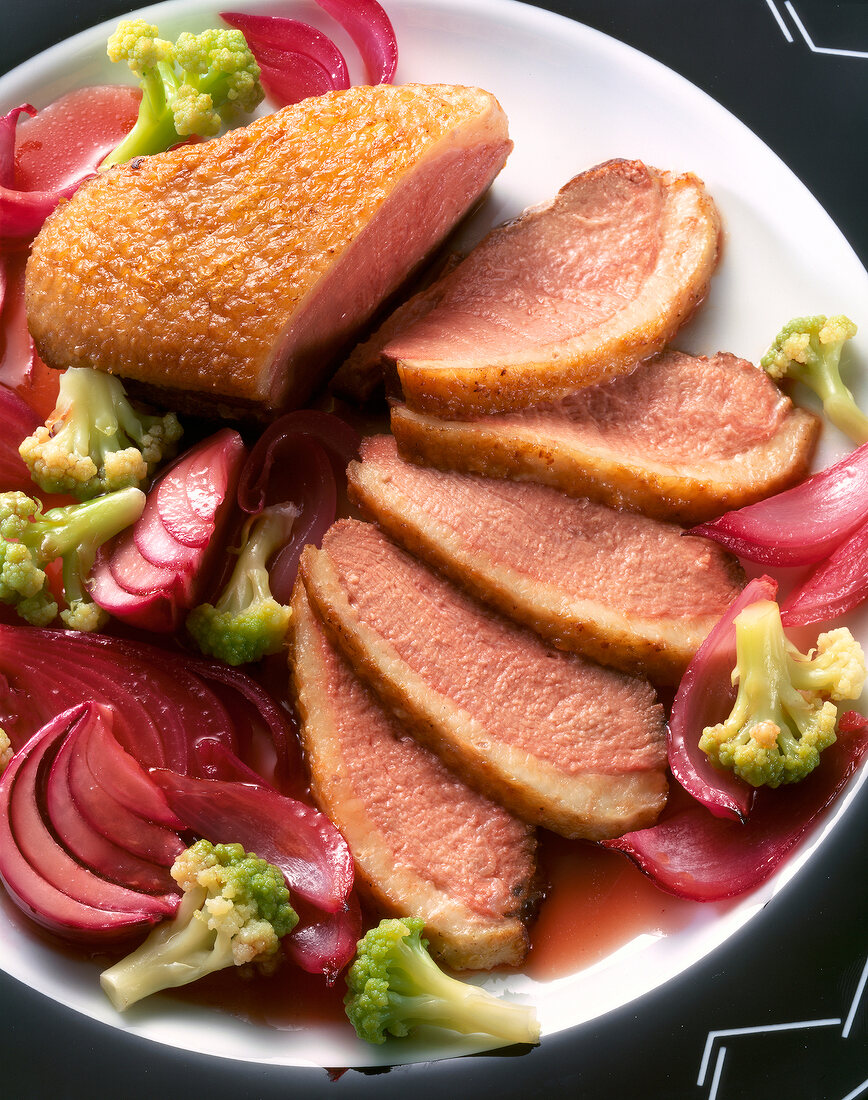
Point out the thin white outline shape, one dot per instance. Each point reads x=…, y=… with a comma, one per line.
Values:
x=759, y=1030
x=804, y=33
x=785, y=30
x=854, y=1006
x=857, y=1091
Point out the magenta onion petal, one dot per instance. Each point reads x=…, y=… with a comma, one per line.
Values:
x=836, y=586
x=695, y=855
x=18, y=421
x=295, y=59
x=704, y=698
x=325, y=943
x=8, y=126
x=370, y=28
x=802, y=525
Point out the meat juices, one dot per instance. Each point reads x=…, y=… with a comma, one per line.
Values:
x=224, y=277
x=682, y=438
x=568, y=294
x=424, y=844
x=561, y=742
x=626, y=590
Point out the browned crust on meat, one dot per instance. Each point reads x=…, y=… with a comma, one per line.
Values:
x=657, y=648
x=590, y=805
x=690, y=234
x=237, y=270
x=459, y=936
x=684, y=494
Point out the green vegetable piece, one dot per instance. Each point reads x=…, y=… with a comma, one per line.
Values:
x=189, y=87
x=808, y=349
x=95, y=441
x=247, y=622
x=784, y=714
x=30, y=540
x=394, y=986
x=235, y=910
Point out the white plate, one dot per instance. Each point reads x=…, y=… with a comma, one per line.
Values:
x=574, y=98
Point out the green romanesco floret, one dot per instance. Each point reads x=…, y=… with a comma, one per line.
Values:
x=808, y=349
x=247, y=622
x=234, y=911
x=189, y=87
x=95, y=441
x=6, y=750
x=394, y=986
x=784, y=714
x=31, y=539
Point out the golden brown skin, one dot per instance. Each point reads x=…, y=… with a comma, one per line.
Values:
x=234, y=271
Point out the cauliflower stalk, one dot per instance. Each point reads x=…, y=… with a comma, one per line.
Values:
x=189, y=87
x=247, y=622
x=31, y=540
x=6, y=750
x=394, y=986
x=95, y=441
x=808, y=349
x=235, y=910
x=785, y=713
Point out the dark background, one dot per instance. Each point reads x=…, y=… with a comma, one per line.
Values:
x=802, y=958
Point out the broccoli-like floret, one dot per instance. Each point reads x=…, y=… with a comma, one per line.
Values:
x=234, y=912
x=783, y=715
x=6, y=750
x=31, y=540
x=394, y=986
x=247, y=622
x=809, y=350
x=189, y=87
x=95, y=441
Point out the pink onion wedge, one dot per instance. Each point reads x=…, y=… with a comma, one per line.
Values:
x=836, y=586
x=802, y=525
x=18, y=421
x=325, y=943
x=299, y=840
x=370, y=28
x=695, y=855
x=40, y=875
x=704, y=698
x=295, y=59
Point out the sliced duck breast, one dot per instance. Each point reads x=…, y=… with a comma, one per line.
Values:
x=624, y=589
x=226, y=276
x=681, y=438
x=424, y=843
x=561, y=742
x=564, y=296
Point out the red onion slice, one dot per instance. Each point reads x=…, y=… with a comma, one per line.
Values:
x=836, y=586
x=325, y=943
x=18, y=421
x=8, y=126
x=704, y=698
x=695, y=855
x=802, y=525
x=290, y=54
x=299, y=840
x=370, y=28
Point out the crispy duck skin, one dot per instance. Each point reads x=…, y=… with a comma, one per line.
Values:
x=626, y=590
x=226, y=276
x=559, y=741
x=683, y=438
x=424, y=843
x=564, y=296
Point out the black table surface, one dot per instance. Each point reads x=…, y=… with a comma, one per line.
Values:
x=797, y=74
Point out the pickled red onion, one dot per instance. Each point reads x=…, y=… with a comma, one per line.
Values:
x=370, y=28
x=802, y=525
x=838, y=585
x=704, y=698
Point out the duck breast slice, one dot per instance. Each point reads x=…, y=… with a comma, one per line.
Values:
x=682, y=438
x=564, y=296
x=226, y=276
x=624, y=589
x=559, y=741
x=424, y=844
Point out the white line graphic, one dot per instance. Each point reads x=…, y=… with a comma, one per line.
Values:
x=816, y=49
x=860, y=989
x=718, y=1068
x=857, y=1091
x=760, y=1030
x=785, y=30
